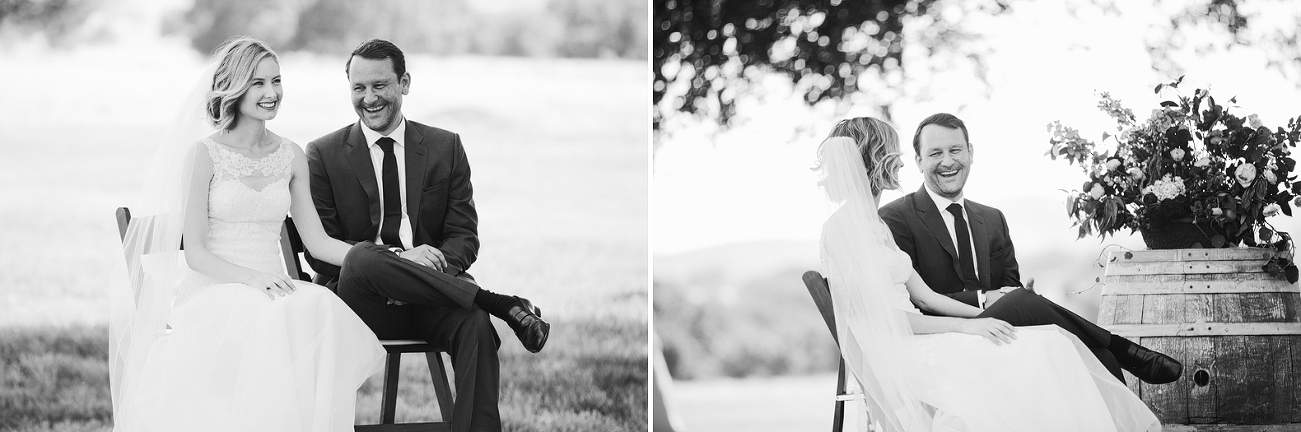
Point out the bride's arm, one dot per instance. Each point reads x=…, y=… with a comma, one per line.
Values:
x=930, y=301
x=961, y=317
x=195, y=234
x=308, y=222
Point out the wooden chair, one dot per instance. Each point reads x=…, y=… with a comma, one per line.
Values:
x=291, y=245
x=821, y=293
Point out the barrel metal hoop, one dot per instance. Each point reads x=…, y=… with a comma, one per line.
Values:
x=1206, y=329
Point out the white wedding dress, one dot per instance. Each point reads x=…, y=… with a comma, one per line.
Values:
x=1045, y=380
x=234, y=359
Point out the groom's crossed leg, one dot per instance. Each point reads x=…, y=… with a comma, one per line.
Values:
x=1024, y=308
x=375, y=271
x=369, y=280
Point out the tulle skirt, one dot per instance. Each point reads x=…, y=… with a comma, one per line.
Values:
x=236, y=360
x=1045, y=380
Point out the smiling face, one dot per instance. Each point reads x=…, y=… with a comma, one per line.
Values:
x=377, y=92
x=944, y=158
x=262, y=99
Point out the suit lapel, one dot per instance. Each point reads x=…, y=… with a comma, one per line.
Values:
x=359, y=157
x=416, y=161
x=980, y=239
x=930, y=215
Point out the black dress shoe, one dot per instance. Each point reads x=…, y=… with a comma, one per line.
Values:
x=1150, y=366
x=526, y=320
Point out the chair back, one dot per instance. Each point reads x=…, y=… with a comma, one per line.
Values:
x=290, y=245
x=821, y=293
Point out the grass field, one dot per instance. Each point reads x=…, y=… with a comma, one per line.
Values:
x=559, y=154
x=56, y=379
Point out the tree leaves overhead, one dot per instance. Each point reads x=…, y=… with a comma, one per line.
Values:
x=711, y=47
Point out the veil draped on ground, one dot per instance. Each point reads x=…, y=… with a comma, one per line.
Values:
x=872, y=333
x=143, y=283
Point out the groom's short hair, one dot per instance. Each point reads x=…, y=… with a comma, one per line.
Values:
x=943, y=119
x=379, y=49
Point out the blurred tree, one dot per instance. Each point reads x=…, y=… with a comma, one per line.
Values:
x=208, y=23
x=57, y=20
x=567, y=28
x=708, y=52
x=434, y=27
x=714, y=47
x=601, y=28
x=1219, y=26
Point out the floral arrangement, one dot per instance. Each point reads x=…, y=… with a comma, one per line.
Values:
x=1191, y=161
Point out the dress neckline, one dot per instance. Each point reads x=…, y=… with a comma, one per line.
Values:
x=279, y=147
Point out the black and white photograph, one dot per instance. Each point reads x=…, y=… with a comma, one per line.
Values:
x=975, y=215
x=324, y=215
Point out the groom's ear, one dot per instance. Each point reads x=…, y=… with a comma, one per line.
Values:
x=405, y=82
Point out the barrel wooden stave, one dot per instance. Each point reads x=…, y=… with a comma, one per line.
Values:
x=1172, y=301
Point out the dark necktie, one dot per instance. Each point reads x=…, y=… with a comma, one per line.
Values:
x=964, y=247
x=388, y=232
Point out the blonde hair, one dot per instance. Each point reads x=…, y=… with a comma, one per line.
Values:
x=237, y=58
x=878, y=144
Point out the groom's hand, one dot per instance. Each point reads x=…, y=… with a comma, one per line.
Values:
x=426, y=255
x=993, y=296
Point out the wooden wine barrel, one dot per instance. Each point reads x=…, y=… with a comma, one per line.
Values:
x=1236, y=329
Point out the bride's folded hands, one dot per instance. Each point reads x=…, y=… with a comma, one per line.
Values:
x=271, y=284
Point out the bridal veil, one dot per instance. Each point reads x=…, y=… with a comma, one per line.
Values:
x=872, y=333
x=143, y=284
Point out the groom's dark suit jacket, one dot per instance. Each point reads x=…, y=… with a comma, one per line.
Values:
x=440, y=201
x=920, y=232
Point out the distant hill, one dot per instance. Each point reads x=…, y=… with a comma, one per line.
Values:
x=740, y=309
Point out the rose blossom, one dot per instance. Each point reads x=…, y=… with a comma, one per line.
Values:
x=1270, y=177
x=1203, y=162
x=1177, y=154
x=1217, y=212
x=1254, y=121
x=1112, y=164
x=1136, y=174
x=1097, y=191
x=1246, y=173
x=1271, y=210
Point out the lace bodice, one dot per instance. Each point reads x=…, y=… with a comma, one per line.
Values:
x=247, y=203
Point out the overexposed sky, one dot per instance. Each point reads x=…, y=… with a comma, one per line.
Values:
x=754, y=183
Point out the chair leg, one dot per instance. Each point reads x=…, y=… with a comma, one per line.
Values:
x=838, y=421
x=392, y=374
x=442, y=389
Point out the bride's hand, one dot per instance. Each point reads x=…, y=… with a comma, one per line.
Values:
x=271, y=284
x=996, y=330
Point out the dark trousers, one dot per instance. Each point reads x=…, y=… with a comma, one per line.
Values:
x=1024, y=308
x=439, y=310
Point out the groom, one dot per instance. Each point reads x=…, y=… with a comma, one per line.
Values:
x=400, y=192
x=962, y=249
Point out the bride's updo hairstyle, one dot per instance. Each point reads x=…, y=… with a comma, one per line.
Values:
x=236, y=60
x=878, y=144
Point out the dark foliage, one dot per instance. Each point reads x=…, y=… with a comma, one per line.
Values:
x=714, y=45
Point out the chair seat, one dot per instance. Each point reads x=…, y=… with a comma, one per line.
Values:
x=407, y=346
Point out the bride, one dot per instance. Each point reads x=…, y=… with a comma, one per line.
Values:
x=223, y=339
x=933, y=373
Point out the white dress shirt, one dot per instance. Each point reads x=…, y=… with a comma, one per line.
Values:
x=943, y=204
x=377, y=160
